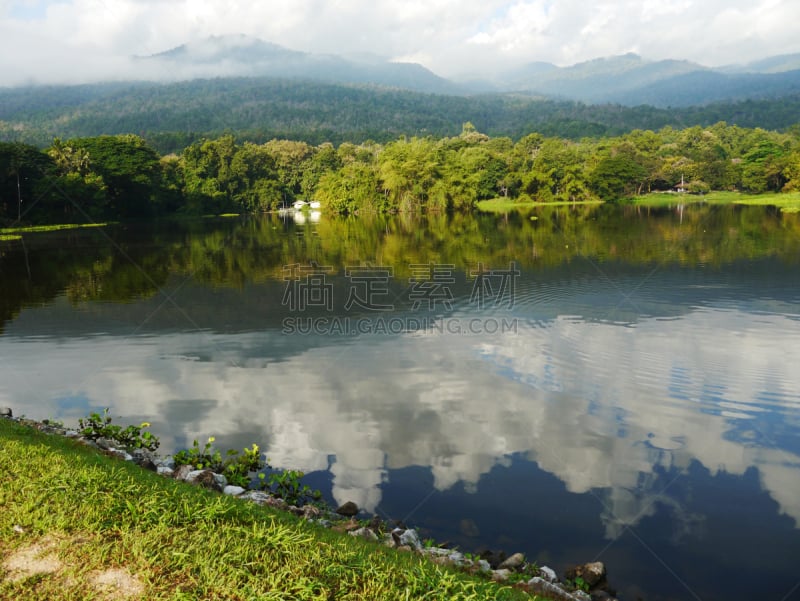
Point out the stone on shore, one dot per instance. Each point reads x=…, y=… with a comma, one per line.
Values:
x=501, y=575
x=438, y=551
x=163, y=470
x=231, y=490
x=6, y=412
x=168, y=461
x=183, y=471
x=207, y=479
x=256, y=496
x=512, y=562
x=145, y=459
x=592, y=573
x=540, y=586
x=410, y=538
x=121, y=454
x=349, y=509
x=105, y=443
x=364, y=533
x=548, y=574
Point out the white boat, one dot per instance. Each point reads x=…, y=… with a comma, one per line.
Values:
x=299, y=204
x=315, y=204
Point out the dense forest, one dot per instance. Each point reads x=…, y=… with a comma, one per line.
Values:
x=122, y=177
x=172, y=116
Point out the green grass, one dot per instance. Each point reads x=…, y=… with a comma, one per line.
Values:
x=788, y=202
x=504, y=205
x=89, y=515
x=48, y=228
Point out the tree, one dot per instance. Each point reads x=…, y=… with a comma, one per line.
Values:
x=616, y=176
x=763, y=168
x=130, y=170
x=408, y=170
x=352, y=189
x=24, y=171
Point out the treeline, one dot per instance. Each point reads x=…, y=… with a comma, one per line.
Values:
x=121, y=177
x=174, y=115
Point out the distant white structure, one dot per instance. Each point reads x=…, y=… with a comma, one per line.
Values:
x=315, y=204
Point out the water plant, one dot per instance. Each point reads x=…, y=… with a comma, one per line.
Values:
x=97, y=426
x=286, y=485
x=235, y=466
x=206, y=458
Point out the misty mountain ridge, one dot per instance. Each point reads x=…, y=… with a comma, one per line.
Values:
x=627, y=79
x=245, y=56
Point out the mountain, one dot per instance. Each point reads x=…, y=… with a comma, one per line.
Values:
x=606, y=79
x=631, y=80
x=627, y=79
x=173, y=115
x=772, y=64
x=704, y=87
x=241, y=55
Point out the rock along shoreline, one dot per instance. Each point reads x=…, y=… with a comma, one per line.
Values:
x=585, y=582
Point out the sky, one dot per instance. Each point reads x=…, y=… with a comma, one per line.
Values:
x=84, y=40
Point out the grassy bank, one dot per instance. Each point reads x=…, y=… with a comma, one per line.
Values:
x=504, y=205
x=30, y=229
x=75, y=524
x=787, y=202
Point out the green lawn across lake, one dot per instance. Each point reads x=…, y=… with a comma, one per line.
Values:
x=788, y=202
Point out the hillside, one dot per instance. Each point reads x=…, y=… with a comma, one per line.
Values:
x=173, y=115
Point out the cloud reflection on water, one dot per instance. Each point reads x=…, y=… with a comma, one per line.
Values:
x=602, y=406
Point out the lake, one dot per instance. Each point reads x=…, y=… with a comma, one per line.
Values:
x=578, y=383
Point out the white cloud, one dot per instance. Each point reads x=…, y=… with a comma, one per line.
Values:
x=44, y=39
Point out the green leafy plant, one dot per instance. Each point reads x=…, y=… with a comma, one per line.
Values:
x=236, y=467
x=206, y=458
x=132, y=437
x=578, y=584
x=528, y=571
x=286, y=485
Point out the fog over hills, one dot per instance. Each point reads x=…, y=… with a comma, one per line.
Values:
x=628, y=79
x=245, y=56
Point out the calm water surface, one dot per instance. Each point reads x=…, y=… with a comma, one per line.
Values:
x=624, y=386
